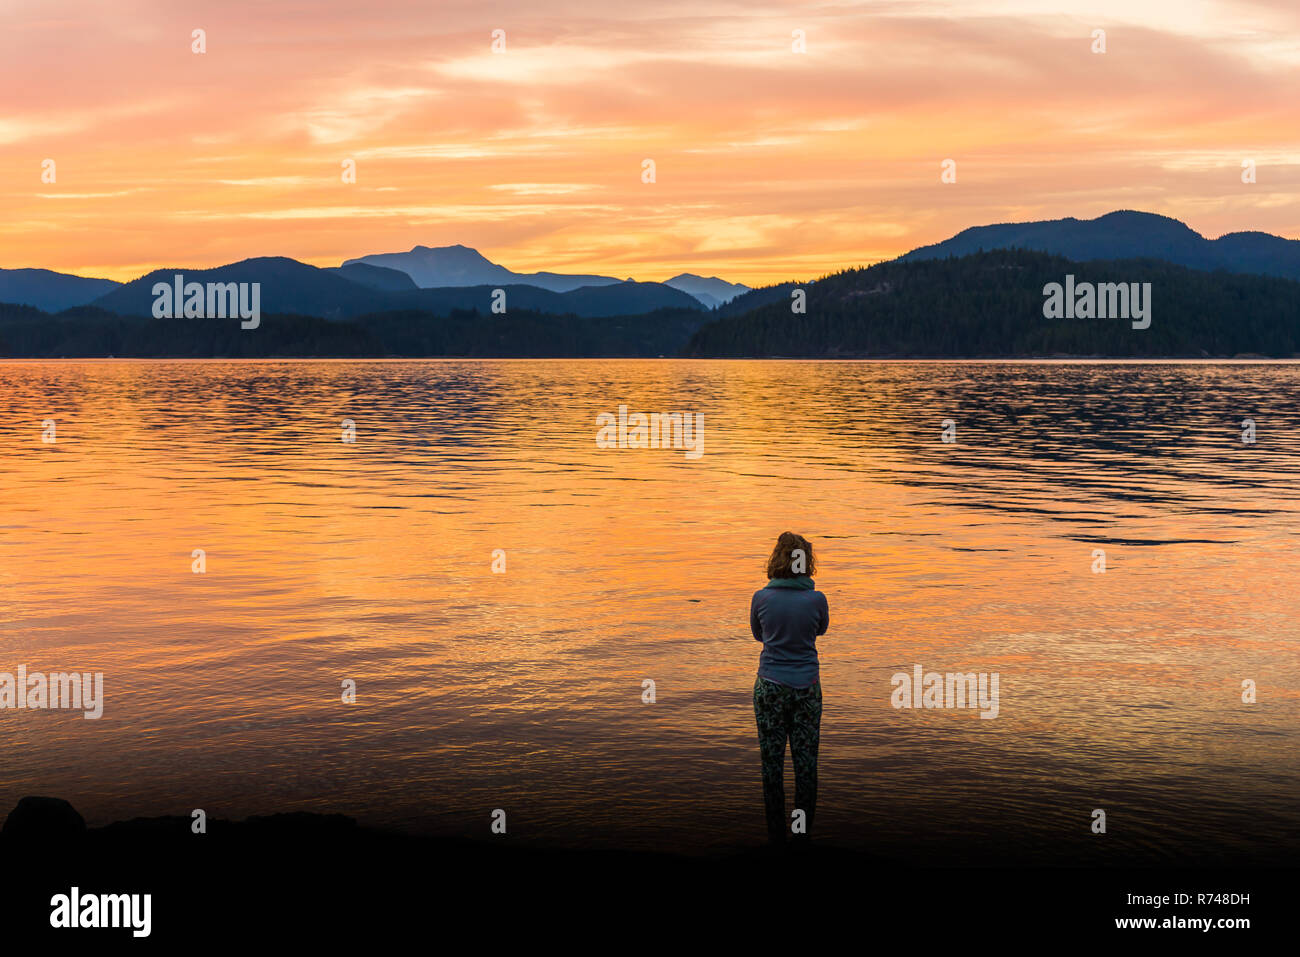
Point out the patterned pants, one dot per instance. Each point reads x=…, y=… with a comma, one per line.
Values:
x=794, y=713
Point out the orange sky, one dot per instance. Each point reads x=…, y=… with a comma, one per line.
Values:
x=771, y=164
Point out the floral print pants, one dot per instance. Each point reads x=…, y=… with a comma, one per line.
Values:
x=795, y=713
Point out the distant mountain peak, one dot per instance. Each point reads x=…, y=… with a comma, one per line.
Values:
x=460, y=265
x=692, y=275
x=711, y=291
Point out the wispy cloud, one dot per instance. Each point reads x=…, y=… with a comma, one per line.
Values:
x=768, y=161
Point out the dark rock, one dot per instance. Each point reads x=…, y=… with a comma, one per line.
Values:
x=43, y=819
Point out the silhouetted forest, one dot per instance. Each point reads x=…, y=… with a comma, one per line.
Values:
x=991, y=305
x=90, y=332
x=983, y=305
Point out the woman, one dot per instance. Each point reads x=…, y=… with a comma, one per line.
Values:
x=787, y=616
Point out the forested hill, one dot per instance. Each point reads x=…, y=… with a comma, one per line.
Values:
x=991, y=305
x=1129, y=234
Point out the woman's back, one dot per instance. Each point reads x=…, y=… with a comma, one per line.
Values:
x=787, y=616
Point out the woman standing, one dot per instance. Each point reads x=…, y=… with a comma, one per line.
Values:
x=787, y=616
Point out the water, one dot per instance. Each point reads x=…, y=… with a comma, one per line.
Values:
x=372, y=562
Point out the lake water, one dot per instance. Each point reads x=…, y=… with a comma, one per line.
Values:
x=372, y=561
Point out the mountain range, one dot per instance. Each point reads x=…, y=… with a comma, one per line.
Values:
x=462, y=278
x=1233, y=295
x=985, y=305
x=1128, y=234
x=462, y=266
x=355, y=289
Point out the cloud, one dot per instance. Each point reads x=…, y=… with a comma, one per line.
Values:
x=767, y=160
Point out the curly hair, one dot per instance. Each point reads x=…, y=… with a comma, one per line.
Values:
x=781, y=564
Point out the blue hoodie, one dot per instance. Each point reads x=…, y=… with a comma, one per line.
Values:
x=787, y=616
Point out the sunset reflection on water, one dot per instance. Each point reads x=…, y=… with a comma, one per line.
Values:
x=372, y=561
